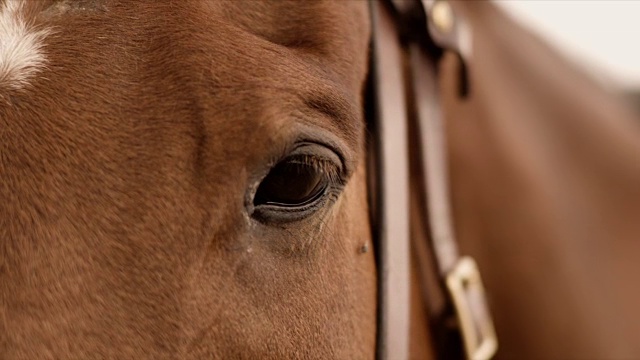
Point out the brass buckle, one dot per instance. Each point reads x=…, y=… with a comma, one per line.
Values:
x=468, y=295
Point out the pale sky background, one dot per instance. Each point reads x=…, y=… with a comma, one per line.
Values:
x=602, y=34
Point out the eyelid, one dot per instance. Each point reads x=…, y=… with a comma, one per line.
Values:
x=322, y=158
x=340, y=150
x=327, y=167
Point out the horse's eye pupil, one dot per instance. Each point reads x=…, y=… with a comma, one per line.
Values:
x=291, y=183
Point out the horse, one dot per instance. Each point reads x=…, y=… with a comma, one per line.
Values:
x=194, y=179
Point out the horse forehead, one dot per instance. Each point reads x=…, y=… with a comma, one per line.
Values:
x=244, y=43
x=329, y=28
x=23, y=37
x=294, y=41
x=21, y=43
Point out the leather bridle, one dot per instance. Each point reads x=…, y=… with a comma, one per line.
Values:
x=409, y=36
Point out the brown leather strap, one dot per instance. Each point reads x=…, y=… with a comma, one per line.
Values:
x=436, y=29
x=433, y=155
x=462, y=284
x=392, y=194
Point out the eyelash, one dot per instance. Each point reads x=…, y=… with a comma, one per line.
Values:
x=321, y=165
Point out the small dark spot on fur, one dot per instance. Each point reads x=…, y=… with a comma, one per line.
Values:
x=364, y=249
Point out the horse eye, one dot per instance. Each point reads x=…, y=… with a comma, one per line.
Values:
x=291, y=183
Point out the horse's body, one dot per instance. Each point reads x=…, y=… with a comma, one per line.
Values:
x=134, y=136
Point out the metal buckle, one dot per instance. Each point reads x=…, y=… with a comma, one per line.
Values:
x=468, y=295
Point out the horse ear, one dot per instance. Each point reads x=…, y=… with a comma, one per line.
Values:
x=545, y=176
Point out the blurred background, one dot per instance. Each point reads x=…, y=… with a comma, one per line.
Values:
x=602, y=35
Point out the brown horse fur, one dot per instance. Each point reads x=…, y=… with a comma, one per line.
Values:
x=131, y=133
x=124, y=167
x=545, y=173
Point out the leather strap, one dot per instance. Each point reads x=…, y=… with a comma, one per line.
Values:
x=433, y=155
x=429, y=27
x=392, y=175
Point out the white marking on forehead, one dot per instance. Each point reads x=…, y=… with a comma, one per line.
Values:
x=21, y=44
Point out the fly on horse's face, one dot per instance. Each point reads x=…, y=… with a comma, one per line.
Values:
x=184, y=179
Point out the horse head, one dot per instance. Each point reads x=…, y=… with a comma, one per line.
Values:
x=184, y=178
x=220, y=179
